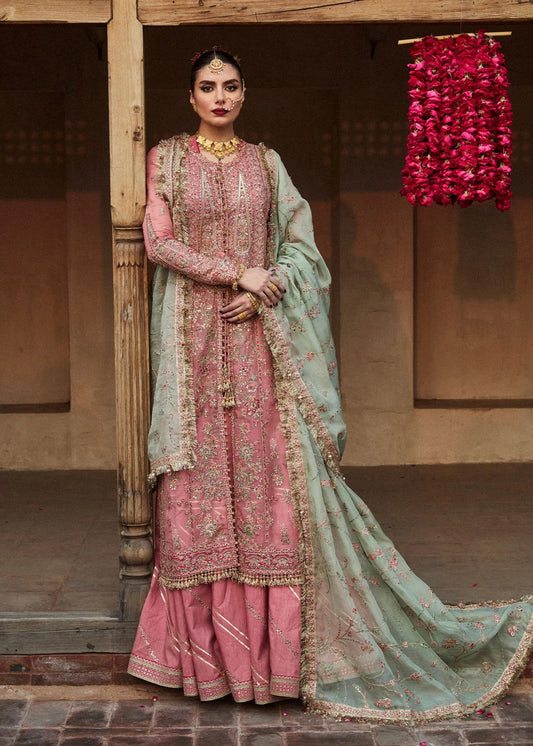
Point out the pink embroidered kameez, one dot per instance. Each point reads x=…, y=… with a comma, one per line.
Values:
x=223, y=612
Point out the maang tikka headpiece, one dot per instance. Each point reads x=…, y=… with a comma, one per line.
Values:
x=216, y=65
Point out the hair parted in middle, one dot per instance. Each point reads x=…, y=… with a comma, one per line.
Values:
x=201, y=59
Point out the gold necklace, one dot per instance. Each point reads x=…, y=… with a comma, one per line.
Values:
x=220, y=149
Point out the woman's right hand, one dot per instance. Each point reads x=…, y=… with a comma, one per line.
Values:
x=263, y=283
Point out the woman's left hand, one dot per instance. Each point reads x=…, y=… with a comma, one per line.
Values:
x=240, y=309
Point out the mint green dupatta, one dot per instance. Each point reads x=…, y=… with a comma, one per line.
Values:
x=377, y=643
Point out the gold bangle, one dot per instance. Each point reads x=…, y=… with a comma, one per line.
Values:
x=240, y=272
x=253, y=300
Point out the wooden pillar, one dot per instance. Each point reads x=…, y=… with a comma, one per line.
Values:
x=126, y=116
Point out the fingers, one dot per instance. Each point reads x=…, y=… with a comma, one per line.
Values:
x=279, y=283
x=239, y=310
x=235, y=303
x=241, y=302
x=275, y=288
x=276, y=280
x=237, y=317
x=262, y=283
x=270, y=293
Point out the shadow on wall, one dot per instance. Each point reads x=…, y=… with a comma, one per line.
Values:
x=376, y=349
x=486, y=262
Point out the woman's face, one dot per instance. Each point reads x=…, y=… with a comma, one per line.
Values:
x=218, y=96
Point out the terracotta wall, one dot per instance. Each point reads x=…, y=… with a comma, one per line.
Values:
x=431, y=308
x=56, y=325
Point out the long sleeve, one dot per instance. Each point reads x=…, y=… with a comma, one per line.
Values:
x=163, y=248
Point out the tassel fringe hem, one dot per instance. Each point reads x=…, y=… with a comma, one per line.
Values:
x=256, y=580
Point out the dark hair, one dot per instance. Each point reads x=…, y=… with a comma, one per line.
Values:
x=208, y=56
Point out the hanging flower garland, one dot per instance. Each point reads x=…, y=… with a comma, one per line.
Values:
x=459, y=142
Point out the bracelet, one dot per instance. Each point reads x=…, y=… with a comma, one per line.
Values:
x=240, y=272
x=256, y=303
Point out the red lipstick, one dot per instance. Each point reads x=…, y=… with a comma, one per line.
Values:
x=219, y=112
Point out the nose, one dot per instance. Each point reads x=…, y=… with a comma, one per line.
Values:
x=220, y=95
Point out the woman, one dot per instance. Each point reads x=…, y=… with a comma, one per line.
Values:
x=272, y=578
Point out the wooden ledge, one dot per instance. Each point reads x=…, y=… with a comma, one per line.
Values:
x=28, y=633
x=55, y=11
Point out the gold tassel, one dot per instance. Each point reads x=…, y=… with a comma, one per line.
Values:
x=228, y=397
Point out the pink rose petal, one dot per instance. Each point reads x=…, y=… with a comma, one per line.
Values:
x=460, y=140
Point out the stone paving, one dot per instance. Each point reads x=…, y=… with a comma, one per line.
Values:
x=179, y=721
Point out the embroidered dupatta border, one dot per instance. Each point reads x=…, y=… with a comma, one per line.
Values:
x=169, y=172
x=414, y=717
x=296, y=469
x=275, y=338
x=292, y=382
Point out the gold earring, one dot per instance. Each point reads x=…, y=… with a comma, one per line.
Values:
x=194, y=107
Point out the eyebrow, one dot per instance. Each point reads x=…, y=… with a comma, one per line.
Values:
x=210, y=82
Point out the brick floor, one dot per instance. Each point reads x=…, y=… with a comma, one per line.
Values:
x=186, y=722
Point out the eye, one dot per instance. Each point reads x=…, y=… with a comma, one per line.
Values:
x=231, y=87
x=206, y=88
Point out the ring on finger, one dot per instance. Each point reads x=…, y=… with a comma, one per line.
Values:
x=272, y=287
x=241, y=316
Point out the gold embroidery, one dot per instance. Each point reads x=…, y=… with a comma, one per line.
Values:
x=292, y=382
x=169, y=175
x=282, y=637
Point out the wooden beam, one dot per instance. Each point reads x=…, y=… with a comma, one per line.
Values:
x=170, y=12
x=55, y=11
x=127, y=148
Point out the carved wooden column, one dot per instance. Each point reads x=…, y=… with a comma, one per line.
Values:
x=126, y=116
x=133, y=400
